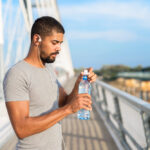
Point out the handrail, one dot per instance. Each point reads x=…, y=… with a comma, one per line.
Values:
x=142, y=105
x=126, y=117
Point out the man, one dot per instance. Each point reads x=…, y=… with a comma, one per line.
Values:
x=35, y=100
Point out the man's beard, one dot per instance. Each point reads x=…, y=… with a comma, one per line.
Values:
x=48, y=59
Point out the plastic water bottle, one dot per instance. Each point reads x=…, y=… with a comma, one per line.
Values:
x=84, y=87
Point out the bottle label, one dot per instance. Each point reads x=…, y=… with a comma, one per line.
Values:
x=84, y=77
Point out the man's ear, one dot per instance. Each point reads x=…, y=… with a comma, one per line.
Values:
x=36, y=39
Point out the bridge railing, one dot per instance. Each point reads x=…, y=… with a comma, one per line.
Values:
x=126, y=117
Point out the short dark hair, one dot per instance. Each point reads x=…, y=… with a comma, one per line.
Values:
x=45, y=25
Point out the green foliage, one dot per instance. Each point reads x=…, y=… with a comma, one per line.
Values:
x=109, y=72
x=97, y=72
x=147, y=69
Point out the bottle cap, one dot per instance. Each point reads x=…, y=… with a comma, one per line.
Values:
x=85, y=72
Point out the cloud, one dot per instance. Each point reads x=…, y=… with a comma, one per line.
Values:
x=118, y=10
x=110, y=35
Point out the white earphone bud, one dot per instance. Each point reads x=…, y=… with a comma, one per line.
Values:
x=40, y=40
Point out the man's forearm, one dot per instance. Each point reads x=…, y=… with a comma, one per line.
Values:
x=32, y=125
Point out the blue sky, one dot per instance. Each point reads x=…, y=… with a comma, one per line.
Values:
x=106, y=32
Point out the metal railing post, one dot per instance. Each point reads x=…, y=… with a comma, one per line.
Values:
x=105, y=102
x=97, y=96
x=119, y=119
x=147, y=95
x=146, y=123
x=141, y=94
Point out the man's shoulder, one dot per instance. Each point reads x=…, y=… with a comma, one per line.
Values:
x=16, y=70
x=16, y=83
x=19, y=65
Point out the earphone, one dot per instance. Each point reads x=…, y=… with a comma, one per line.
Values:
x=39, y=40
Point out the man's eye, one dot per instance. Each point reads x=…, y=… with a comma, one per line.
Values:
x=54, y=43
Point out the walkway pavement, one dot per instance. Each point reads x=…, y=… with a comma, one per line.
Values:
x=86, y=134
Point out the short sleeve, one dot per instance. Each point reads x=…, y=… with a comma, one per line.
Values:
x=15, y=86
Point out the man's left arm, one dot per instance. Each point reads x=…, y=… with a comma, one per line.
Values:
x=64, y=97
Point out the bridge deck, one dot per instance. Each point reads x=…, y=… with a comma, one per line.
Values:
x=86, y=134
x=81, y=134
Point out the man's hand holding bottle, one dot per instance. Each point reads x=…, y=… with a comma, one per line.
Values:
x=80, y=98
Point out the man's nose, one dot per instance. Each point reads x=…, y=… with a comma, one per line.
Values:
x=58, y=47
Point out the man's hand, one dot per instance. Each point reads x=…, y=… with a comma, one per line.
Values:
x=80, y=101
x=91, y=76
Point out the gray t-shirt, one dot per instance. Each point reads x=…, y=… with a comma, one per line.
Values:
x=41, y=87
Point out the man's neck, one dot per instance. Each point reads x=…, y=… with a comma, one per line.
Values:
x=33, y=57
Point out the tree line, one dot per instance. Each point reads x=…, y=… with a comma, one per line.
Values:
x=109, y=72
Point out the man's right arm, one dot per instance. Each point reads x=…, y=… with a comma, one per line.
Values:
x=16, y=91
x=25, y=125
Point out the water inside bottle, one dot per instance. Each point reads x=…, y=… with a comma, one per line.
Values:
x=84, y=114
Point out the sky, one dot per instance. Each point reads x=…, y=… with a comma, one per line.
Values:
x=107, y=32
